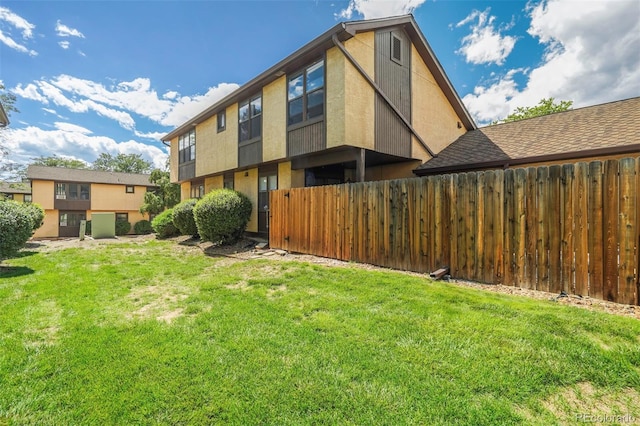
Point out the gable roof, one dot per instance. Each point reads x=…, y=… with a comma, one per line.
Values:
x=310, y=52
x=15, y=188
x=605, y=129
x=90, y=176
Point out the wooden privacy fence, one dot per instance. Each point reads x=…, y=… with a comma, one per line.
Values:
x=571, y=228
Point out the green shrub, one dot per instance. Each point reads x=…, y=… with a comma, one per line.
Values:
x=163, y=224
x=36, y=213
x=143, y=227
x=16, y=227
x=222, y=215
x=183, y=217
x=122, y=227
x=87, y=229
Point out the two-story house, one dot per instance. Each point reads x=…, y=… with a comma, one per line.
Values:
x=71, y=195
x=17, y=191
x=366, y=100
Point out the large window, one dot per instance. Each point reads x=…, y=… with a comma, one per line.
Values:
x=73, y=191
x=306, y=94
x=250, y=119
x=197, y=189
x=187, y=147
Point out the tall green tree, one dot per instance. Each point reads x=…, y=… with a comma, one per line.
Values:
x=125, y=163
x=544, y=107
x=55, y=161
x=166, y=196
x=8, y=102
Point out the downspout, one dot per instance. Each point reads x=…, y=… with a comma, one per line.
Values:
x=384, y=97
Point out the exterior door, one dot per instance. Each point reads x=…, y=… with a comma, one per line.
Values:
x=266, y=182
x=69, y=223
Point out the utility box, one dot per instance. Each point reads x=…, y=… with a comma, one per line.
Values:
x=103, y=225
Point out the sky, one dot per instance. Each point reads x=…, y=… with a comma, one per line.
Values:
x=115, y=76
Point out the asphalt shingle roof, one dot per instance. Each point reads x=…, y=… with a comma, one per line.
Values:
x=15, y=188
x=91, y=176
x=610, y=125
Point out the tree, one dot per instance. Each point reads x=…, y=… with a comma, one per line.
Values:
x=8, y=102
x=55, y=161
x=544, y=107
x=166, y=196
x=126, y=163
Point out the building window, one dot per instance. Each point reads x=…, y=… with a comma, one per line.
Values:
x=28, y=198
x=122, y=217
x=227, y=181
x=187, y=147
x=71, y=219
x=130, y=189
x=8, y=196
x=73, y=191
x=250, y=119
x=306, y=94
x=222, y=120
x=197, y=189
x=396, y=49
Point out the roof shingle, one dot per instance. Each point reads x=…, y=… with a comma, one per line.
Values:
x=613, y=125
x=90, y=176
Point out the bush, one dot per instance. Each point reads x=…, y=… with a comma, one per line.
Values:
x=122, y=227
x=87, y=229
x=183, y=217
x=163, y=224
x=16, y=227
x=143, y=227
x=222, y=215
x=36, y=213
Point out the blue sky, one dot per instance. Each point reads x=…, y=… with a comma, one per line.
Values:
x=114, y=76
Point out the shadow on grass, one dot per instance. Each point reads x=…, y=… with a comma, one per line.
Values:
x=14, y=271
x=24, y=253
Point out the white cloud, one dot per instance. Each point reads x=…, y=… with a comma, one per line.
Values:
x=20, y=24
x=485, y=44
x=591, y=56
x=151, y=135
x=30, y=91
x=64, y=31
x=68, y=140
x=370, y=9
x=64, y=44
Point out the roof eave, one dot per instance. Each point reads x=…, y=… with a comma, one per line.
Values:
x=4, y=118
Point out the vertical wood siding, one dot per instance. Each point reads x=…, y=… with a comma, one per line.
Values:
x=571, y=228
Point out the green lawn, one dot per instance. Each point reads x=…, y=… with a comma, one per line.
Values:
x=156, y=333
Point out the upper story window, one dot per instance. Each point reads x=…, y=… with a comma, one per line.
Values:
x=306, y=94
x=250, y=119
x=73, y=191
x=130, y=189
x=222, y=120
x=187, y=147
x=396, y=49
x=28, y=198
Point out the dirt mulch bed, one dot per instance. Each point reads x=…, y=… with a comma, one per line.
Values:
x=246, y=249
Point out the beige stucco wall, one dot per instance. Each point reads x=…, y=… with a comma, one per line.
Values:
x=274, y=120
x=248, y=185
x=113, y=198
x=173, y=160
x=392, y=171
x=18, y=197
x=185, y=191
x=213, y=182
x=335, y=99
x=49, y=229
x=42, y=192
x=360, y=96
x=433, y=116
x=217, y=152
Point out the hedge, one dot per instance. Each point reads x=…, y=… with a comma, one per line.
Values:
x=222, y=215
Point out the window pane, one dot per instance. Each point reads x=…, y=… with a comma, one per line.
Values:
x=315, y=76
x=295, y=87
x=244, y=131
x=263, y=184
x=63, y=219
x=256, y=107
x=73, y=191
x=273, y=182
x=295, y=111
x=192, y=153
x=315, y=104
x=243, y=113
x=84, y=192
x=222, y=118
x=256, y=126
x=192, y=138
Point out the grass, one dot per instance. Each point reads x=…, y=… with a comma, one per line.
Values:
x=155, y=333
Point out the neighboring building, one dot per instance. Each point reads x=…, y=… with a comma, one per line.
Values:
x=366, y=100
x=17, y=191
x=598, y=132
x=71, y=195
